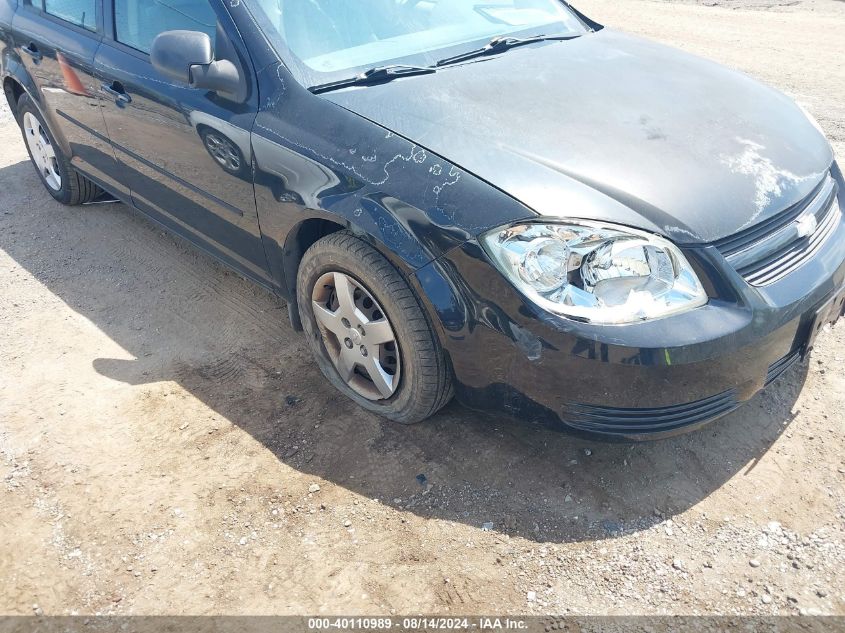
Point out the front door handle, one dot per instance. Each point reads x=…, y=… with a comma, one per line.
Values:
x=118, y=92
x=32, y=50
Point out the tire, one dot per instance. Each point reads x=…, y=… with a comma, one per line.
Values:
x=422, y=378
x=59, y=178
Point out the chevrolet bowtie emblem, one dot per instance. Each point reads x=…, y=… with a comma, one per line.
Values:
x=807, y=225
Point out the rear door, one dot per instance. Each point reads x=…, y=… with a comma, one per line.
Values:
x=56, y=41
x=185, y=153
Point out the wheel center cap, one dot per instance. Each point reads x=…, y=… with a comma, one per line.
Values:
x=355, y=335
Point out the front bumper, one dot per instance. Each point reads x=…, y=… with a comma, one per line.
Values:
x=636, y=382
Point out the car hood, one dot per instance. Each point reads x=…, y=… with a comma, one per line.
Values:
x=612, y=127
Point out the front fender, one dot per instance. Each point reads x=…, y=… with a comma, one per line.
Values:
x=317, y=160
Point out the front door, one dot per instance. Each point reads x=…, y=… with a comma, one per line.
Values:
x=185, y=152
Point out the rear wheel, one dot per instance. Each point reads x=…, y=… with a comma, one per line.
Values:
x=368, y=331
x=60, y=179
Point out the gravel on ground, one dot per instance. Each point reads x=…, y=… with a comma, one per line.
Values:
x=167, y=446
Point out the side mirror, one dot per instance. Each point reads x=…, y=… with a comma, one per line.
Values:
x=188, y=57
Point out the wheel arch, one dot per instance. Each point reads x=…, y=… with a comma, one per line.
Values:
x=312, y=229
x=13, y=89
x=17, y=83
x=202, y=127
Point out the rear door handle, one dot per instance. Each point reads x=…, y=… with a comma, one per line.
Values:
x=118, y=92
x=32, y=50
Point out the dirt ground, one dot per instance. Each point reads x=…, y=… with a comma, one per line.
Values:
x=161, y=427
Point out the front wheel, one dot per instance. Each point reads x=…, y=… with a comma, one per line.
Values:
x=368, y=331
x=60, y=179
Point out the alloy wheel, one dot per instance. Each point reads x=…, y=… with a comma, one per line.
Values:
x=42, y=150
x=358, y=335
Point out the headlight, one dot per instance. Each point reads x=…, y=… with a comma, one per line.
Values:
x=596, y=272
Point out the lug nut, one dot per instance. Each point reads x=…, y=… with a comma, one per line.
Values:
x=363, y=351
x=348, y=343
x=345, y=322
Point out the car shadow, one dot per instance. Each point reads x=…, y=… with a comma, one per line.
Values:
x=186, y=319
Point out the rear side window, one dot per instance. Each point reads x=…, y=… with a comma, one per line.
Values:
x=137, y=22
x=79, y=12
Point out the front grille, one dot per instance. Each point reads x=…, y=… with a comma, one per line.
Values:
x=771, y=250
x=778, y=368
x=618, y=421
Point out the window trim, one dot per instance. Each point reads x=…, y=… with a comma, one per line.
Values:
x=230, y=28
x=110, y=32
x=37, y=7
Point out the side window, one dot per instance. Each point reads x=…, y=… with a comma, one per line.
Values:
x=137, y=22
x=79, y=12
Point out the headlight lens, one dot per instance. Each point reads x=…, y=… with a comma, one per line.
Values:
x=596, y=272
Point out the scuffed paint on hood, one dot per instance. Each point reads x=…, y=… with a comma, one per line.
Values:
x=613, y=127
x=771, y=183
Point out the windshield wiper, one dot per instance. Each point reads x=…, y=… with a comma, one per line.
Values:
x=375, y=75
x=500, y=45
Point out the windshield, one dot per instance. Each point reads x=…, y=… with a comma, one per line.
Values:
x=335, y=39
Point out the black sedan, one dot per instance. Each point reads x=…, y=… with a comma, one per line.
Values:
x=501, y=200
